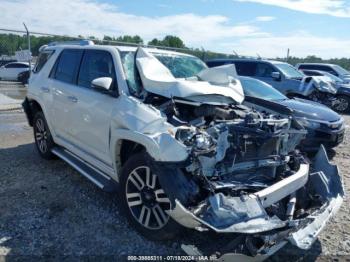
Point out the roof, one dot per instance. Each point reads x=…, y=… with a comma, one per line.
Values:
x=121, y=48
x=245, y=60
x=316, y=64
x=14, y=62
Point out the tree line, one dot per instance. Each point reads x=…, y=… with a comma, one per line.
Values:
x=9, y=43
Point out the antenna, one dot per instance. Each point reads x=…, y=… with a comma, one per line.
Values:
x=235, y=53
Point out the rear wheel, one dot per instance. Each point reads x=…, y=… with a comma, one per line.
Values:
x=43, y=139
x=342, y=104
x=144, y=201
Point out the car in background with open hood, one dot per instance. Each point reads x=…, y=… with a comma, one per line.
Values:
x=324, y=126
x=343, y=86
x=174, y=139
x=285, y=78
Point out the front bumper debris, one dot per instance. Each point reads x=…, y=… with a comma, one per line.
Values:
x=248, y=215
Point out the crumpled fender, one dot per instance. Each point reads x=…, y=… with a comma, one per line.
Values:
x=161, y=147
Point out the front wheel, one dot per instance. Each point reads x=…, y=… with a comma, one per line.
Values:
x=144, y=200
x=342, y=104
x=43, y=139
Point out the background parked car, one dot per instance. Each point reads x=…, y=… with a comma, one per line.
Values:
x=324, y=126
x=23, y=77
x=10, y=71
x=330, y=68
x=343, y=101
x=287, y=79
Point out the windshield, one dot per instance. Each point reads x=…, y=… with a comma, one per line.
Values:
x=340, y=70
x=181, y=66
x=259, y=89
x=289, y=71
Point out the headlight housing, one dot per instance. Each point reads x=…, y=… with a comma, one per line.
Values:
x=309, y=123
x=199, y=140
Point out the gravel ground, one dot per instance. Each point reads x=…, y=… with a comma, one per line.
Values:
x=47, y=208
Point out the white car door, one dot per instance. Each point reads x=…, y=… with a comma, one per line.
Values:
x=90, y=120
x=61, y=84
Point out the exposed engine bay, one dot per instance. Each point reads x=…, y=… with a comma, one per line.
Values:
x=243, y=173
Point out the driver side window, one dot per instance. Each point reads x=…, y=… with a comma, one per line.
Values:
x=264, y=70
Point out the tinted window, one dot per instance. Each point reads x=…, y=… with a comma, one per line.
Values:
x=246, y=68
x=317, y=67
x=95, y=64
x=264, y=70
x=41, y=61
x=311, y=73
x=67, y=66
x=215, y=63
x=15, y=65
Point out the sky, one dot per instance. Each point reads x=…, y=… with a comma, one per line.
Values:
x=248, y=27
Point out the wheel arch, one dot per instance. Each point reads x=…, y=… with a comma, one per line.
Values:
x=30, y=107
x=126, y=142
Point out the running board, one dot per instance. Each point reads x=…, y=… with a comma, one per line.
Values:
x=95, y=175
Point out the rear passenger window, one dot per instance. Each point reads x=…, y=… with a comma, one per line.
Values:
x=41, y=61
x=245, y=68
x=95, y=64
x=215, y=63
x=68, y=65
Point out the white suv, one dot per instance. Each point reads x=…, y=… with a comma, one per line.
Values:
x=175, y=140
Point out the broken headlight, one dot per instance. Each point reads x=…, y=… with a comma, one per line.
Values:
x=200, y=141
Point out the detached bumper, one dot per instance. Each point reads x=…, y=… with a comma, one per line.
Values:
x=248, y=216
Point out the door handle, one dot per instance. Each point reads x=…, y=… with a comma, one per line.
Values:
x=73, y=99
x=45, y=89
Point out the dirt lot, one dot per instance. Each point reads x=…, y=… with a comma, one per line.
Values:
x=47, y=208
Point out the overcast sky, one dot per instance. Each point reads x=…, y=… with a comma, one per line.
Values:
x=250, y=27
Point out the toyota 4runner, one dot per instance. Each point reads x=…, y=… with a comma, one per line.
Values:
x=173, y=137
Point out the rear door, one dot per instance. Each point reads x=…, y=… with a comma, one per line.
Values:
x=62, y=81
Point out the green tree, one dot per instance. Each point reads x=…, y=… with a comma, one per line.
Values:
x=168, y=41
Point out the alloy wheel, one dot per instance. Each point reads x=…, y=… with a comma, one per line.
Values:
x=341, y=104
x=146, y=199
x=41, y=135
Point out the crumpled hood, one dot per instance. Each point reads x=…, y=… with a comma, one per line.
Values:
x=310, y=110
x=220, y=81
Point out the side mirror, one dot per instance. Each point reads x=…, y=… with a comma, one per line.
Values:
x=102, y=82
x=276, y=76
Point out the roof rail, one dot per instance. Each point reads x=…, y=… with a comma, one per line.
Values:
x=78, y=42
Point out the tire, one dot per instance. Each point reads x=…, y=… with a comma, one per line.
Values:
x=343, y=105
x=43, y=139
x=144, y=203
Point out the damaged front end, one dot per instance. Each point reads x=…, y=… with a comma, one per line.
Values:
x=243, y=174
x=316, y=89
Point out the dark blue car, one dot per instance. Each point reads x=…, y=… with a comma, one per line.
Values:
x=324, y=126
